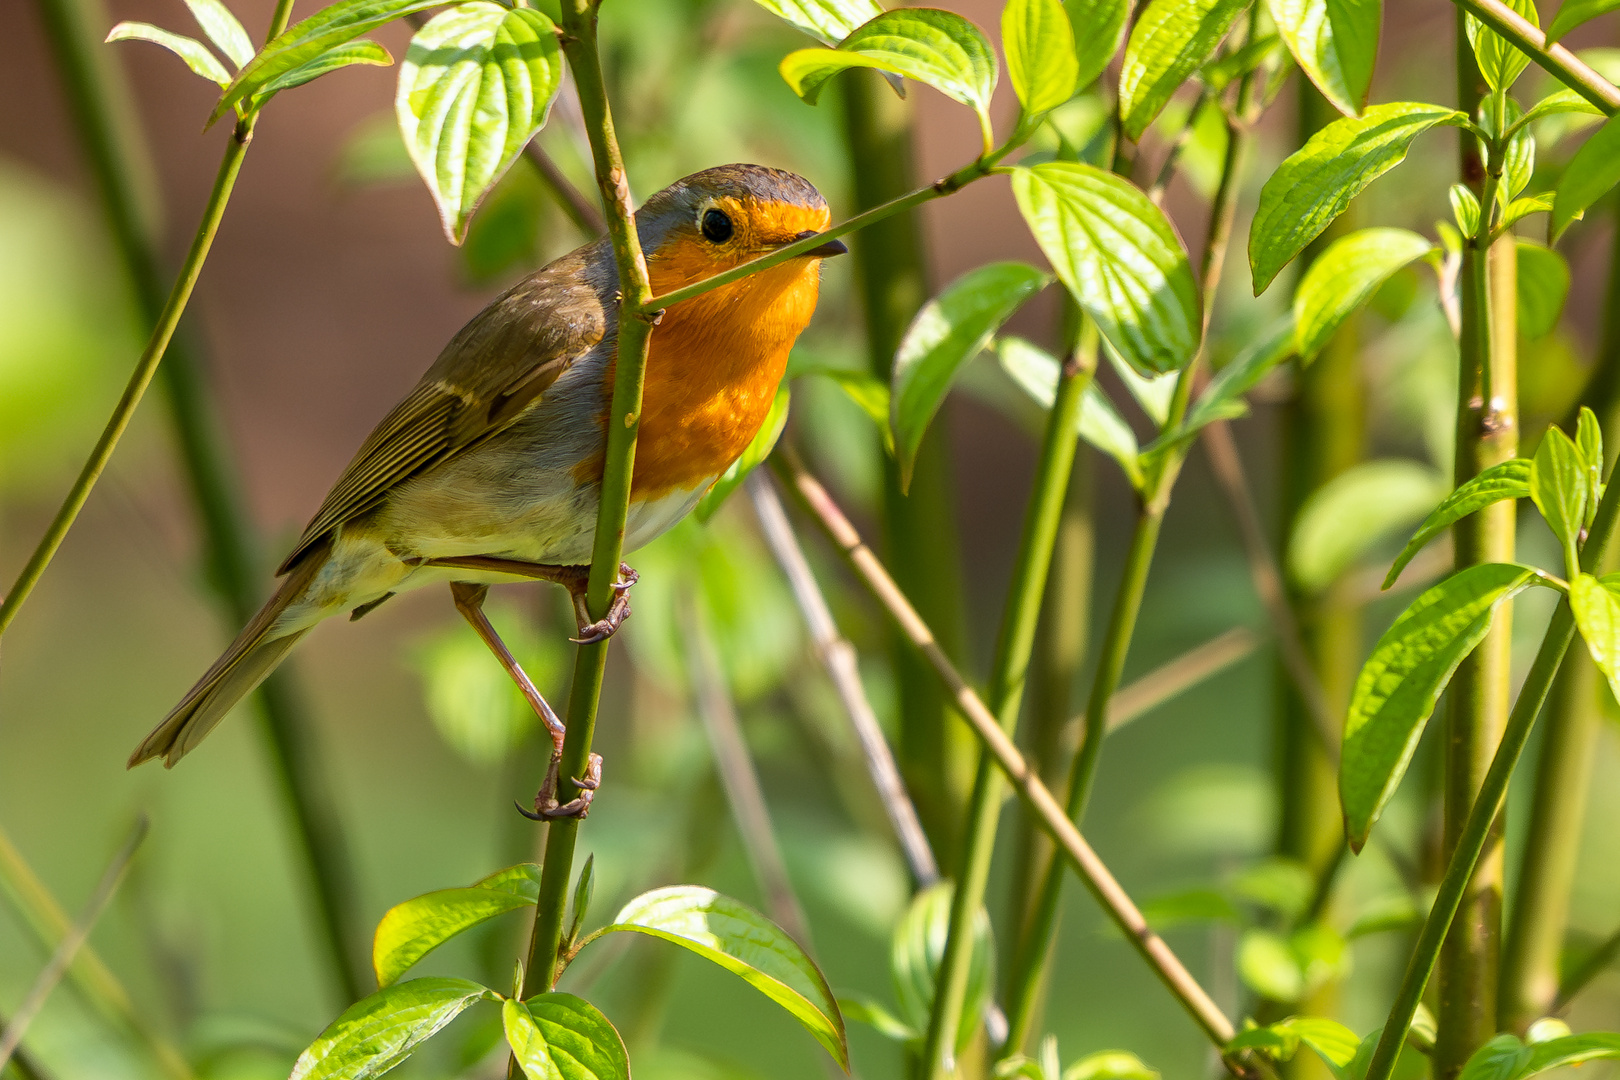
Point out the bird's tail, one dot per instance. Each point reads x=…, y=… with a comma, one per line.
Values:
x=251, y=657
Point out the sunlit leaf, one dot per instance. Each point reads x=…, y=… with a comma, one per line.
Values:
x=1110, y=1065
x=1543, y=287
x=1464, y=208
x=1222, y=399
x=193, y=52
x=939, y=48
x=1596, y=604
x=1335, y=43
x=830, y=20
x=1572, y=13
x=917, y=949
x=1041, y=61
x=1120, y=258
x=305, y=40
x=223, y=29
x=1499, y=61
x=1519, y=209
x=1561, y=101
x=1509, y=480
x=411, y=930
x=1593, y=170
x=1036, y=372
x=563, y=1037
x=1171, y=40
x=1267, y=966
x=1316, y=183
x=1344, y=277
x=378, y=1032
x=1589, y=438
x=758, y=449
x=864, y=1010
x=1501, y=1058
x=1559, y=488
x=1571, y=1050
x=339, y=56
x=867, y=391
x=744, y=942
x=1099, y=28
x=1346, y=517
x=946, y=333
x=475, y=87
x=1409, y=667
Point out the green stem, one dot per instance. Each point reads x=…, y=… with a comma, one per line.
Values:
x=623, y=424
x=1034, y=949
x=1481, y=822
x=168, y=319
x=919, y=525
x=1556, y=60
x=1008, y=673
x=232, y=559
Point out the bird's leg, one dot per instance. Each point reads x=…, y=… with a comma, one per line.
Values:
x=469, y=600
x=573, y=578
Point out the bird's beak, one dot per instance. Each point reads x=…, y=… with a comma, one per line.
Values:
x=825, y=251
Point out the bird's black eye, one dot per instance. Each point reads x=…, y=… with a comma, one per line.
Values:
x=716, y=226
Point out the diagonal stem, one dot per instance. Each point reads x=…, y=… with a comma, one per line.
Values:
x=1556, y=60
x=1023, y=778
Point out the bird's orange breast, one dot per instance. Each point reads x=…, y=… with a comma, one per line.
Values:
x=713, y=365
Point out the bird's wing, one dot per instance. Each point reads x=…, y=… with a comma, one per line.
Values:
x=490, y=373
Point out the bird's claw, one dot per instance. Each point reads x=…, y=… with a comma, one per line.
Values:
x=618, y=610
x=546, y=807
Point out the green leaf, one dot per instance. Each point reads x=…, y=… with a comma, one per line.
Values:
x=1558, y=485
x=866, y=390
x=1546, y=1029
x=1543, y=286
x=1041, y=61
x=1316, y=183
x=1346, y=517
x=1464, y=208
x=1409, y=667
x=1501, y=1058
x=1276, y=1043
x=830, y=20
x=193, y=52
x=864, y=1010
x=378, y=1032
x=744, y=942
x=1596, y=604
x=475, y=87
x=1278, y=884
x=1120, y=258
x=305, y=40
x=584, y=888
x=1499, y=62
x=411, y=930
x=1222, y=399
x=1196, y=905
x=1334, y=1043
x=1519, y=209
x=1593, y=170
x=1572, y=13
x=520, y=880
x=1110, y=1065
x=759, y=448
x=223, y=29
x=341, y=56
x=1571, y=1050
x=946, y=333
x=939, y=48
x=1099, y=27
x=1267, y=966
x=915, y=952
x=1344, y=277
x=1036, y=372
x=1589, y=438
x=1560, y=101
x=1509, y=480
x=1392, y=912
x=1335, y=43
x=1171, y=40
x=563, y=1037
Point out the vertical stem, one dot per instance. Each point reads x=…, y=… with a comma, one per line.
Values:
x=920, y=527
x=1008, y=673
x=623, y=423
x=1534, y=938
x=1480, y=692
x=233, y=563
x=1034, y=949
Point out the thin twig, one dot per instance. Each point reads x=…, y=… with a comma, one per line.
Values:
x=586, y=217
x=1556, y=60
x=1268, y=582
x=1118, y=904
x=1173, y=678
x=839, y=658
x=737, y=775
x=58, y=964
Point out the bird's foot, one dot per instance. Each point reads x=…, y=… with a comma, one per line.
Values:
x=619, y=610
x=546, y=807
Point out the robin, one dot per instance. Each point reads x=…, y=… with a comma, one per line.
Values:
x=490, y=470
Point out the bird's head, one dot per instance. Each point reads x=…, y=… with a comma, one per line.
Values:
x=725, y=216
